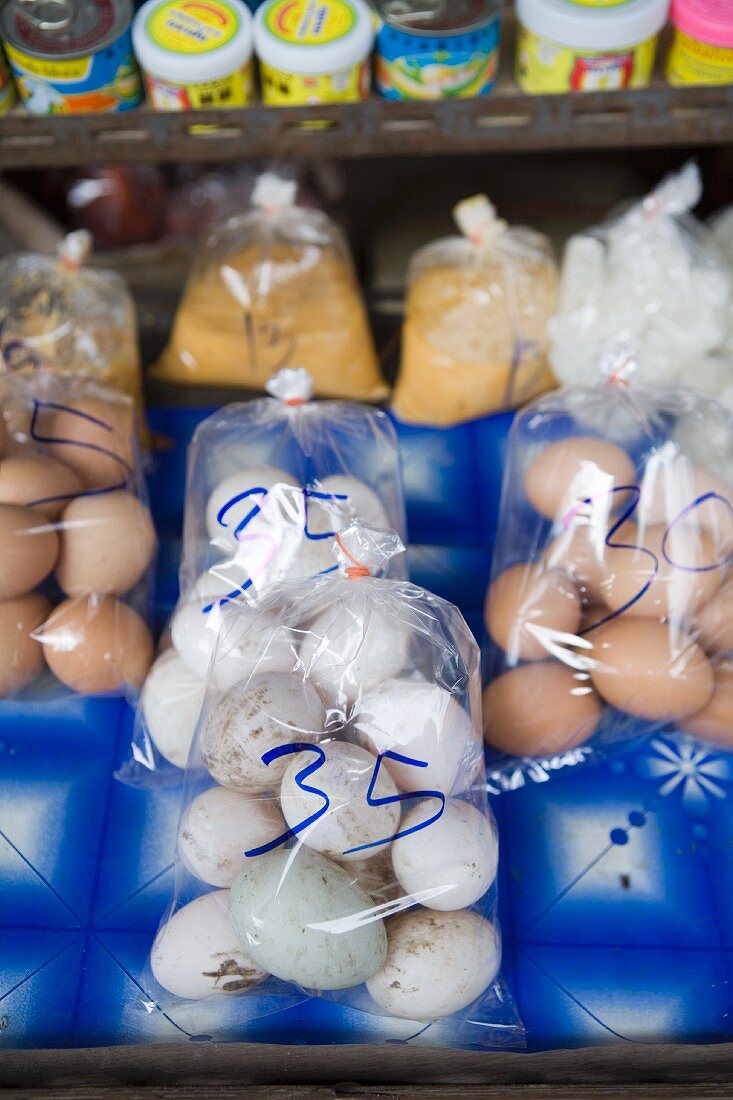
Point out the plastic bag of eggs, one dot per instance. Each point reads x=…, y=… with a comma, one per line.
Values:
x=270, y=483
x=336, y=836
x=76, y=540
x=609, y=610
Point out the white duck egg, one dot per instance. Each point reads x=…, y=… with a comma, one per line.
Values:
x=218, y=828
x=171, y=701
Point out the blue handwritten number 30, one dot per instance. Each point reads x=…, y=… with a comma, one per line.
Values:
x=310, y=769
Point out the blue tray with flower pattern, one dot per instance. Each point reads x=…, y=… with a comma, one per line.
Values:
x=616, y=882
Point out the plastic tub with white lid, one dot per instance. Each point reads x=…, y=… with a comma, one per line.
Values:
x=564, y=46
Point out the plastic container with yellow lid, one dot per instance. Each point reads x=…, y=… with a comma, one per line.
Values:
x=195, y=54
x=702, y=51
x=314, y=53
x=566, y=46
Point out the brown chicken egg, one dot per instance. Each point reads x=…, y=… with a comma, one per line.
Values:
x=540, y=710
x=714, y=622
x=714, y=722
x=580, y=551
x=530, y=609
x=29, y=547
x=97, y=644
x=675, y=490
x=21, y=656
x=95, y=437
x=107, y=543
x=575, y=469
x=650, y=670
x=38, y=481
x=678, y=564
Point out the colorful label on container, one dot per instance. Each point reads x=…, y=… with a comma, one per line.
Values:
x=694, y=62
x=547, y=67
x=106, y=81
x=310, y=22
x=409, y=66
x=192, y=26
x=280, y=88
x=7, y=88
x=234, y=90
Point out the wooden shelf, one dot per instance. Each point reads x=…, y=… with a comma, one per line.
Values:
x=505, y=121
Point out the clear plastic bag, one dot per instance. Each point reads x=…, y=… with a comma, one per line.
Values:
x=346, y=843
x=611, y=576
x=269, y=484
x=55, y=313
x=652, y=278
x=475, y=334
x=274, y=288
x=77, y=540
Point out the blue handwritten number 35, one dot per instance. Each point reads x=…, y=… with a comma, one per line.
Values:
x=310, y=769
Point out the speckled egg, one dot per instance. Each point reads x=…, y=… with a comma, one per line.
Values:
x=217, y=829
x=450, y=863
x=302, y=918
x=273, y=710
x=350, y=823
x=437, y=963
x=171, y=700
x=107, y=543
x=424, y=722
x=197, y=952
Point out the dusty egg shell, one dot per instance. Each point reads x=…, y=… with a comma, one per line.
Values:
x=540, y=709
x=197, y=952
x=574, y=469
x=450, y=863
x=95, y=437
x=39, y=482
x=351, y=822
x=531, y=610
x=29, y=547
x=305, y=920
x=171, y=699
x=649, y=670
x=271, y=711
x=345, y=652
x=235, y=497
x=219, y=827
x=244, y=652
x=423, y=722
x=677, y=564
x=97, y=645
x=107, y=543
x=21, y=655
x=437, y=963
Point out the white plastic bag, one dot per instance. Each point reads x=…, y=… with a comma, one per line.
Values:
x=650, y=278
x=611, y=585
x=335, y=811
x=269, y=484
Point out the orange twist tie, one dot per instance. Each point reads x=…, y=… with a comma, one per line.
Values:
x=294, y=402
x=357, y=570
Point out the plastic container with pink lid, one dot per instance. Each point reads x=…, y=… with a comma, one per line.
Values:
x=702, y=51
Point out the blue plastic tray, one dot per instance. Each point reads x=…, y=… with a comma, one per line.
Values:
x=616, y=885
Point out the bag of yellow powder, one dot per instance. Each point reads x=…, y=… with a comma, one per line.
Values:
x=57, y=314
x=274, y=288
x=474, y=340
